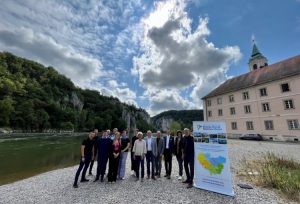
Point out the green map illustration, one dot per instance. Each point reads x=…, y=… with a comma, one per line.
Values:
x=214, y=165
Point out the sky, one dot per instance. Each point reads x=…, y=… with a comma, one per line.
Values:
x=158, y=55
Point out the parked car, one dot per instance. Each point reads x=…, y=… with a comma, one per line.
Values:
x=251, y=136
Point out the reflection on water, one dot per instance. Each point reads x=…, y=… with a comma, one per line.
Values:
x=25, y=155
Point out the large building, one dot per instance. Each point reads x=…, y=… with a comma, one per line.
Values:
x=265, y=101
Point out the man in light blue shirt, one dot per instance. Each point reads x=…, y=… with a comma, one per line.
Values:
x=151, y=154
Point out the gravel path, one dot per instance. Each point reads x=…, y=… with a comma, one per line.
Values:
x=56, y=186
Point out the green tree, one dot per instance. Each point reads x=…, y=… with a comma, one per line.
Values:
x=174, y=126
x=67, y=126
x=90, y=124
x=99, y=123
x=6, y=109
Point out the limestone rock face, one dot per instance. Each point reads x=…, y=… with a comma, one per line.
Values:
x=162, y=123
x=131, y=116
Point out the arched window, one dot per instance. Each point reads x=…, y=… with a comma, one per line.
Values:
x=254, y=66
x=266, y=64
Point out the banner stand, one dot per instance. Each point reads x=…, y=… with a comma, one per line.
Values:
x=211, y=157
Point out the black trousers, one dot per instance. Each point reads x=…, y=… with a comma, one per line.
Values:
x=133, y=163
x=92, y=162
x=113, y=168
x=189, y=167
x=168, y=162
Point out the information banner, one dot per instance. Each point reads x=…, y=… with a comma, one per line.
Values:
x=211, y=157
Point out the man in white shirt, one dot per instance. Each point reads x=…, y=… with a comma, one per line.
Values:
x=168, y=153
x=151, y=154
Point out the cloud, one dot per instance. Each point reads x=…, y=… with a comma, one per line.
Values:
x=24, y=42
x=175, y=58
x=168, y=100
x=113, y=83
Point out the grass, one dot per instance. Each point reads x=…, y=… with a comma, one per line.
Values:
x=272, y=171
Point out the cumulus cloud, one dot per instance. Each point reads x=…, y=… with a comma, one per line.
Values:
x=24, y=42
x=168, y=99
x=175, y=58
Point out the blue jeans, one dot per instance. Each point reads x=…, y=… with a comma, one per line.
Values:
x=150, y=158
x=180, y=161
x=189, y=161
x=81, y=164
x=138, y=162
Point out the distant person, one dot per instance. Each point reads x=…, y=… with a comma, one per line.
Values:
x=104, y=150
x=125, y=144
x=133, y=163
x=178, y=152
x=87, y=153
x=113, y=134
x=114, y=158
x=188, y=155
x=151, y=154
x=139, y=151
x=160, y=143
x=96, y=137
x=168, y=153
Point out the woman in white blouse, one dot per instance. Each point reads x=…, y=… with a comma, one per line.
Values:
x=139, y=151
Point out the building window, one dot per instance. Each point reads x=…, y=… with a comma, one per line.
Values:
x=209, y=113
x=265, y=107
x=220, y=111
x=246, y=95
x=285, y=87
x=293, y=124
x=233, y=126
x=269, y=125
x=288, y=104
x=232, y=111
x=249, y=125
x=209, y=103
x=254, y=66
x=231, y=98
x=263, y=92
x=219, y=100
x=247, y=109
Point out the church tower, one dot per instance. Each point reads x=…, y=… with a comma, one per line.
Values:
x=257, y=60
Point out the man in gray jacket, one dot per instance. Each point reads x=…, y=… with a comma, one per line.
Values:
x=151, y=153
x=160, y=151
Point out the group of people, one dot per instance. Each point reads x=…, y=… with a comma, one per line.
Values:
x=113, y=149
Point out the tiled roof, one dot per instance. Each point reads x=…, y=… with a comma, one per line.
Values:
x=277, y=71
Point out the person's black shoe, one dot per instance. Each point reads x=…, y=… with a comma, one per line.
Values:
x=169, y=177
x=96, y=179
x=166, y=175
x=84, y=180
x=102, y=180
x=186, y=181
x=75, y=186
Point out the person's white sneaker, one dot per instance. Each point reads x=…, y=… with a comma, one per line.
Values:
x=123, y=178
x=133, y=173
x=180, y=178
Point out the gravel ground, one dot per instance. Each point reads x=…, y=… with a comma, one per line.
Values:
x=56, y=186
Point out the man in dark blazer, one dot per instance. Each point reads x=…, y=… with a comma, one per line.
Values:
x=168, y=153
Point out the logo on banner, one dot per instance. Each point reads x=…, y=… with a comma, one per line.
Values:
x=199, y=127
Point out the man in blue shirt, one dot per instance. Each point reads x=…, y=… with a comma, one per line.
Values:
x=188, y=156
x=104, y=149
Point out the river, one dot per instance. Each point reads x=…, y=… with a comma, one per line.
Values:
x=25, y=155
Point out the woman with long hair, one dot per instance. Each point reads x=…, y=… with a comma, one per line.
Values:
x=114, y=158
x=178, y=152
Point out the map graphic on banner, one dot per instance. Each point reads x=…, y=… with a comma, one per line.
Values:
x=211, y=157
x=214, y=165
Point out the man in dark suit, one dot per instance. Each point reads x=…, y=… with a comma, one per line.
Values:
x=168, y=153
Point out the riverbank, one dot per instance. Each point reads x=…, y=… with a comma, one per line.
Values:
x=56, y=186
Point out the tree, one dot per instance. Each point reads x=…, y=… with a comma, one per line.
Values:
x=90, y=124
x=174, y=126
x=67, y=126
x=6, y=109
x=99, y=123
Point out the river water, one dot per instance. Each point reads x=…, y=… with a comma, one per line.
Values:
x=25, y=155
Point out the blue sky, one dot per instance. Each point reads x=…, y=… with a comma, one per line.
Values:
x=158, y=55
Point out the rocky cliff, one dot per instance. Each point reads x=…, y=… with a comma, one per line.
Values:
x=132, y=115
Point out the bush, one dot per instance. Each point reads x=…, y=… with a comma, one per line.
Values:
x=276, y=172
